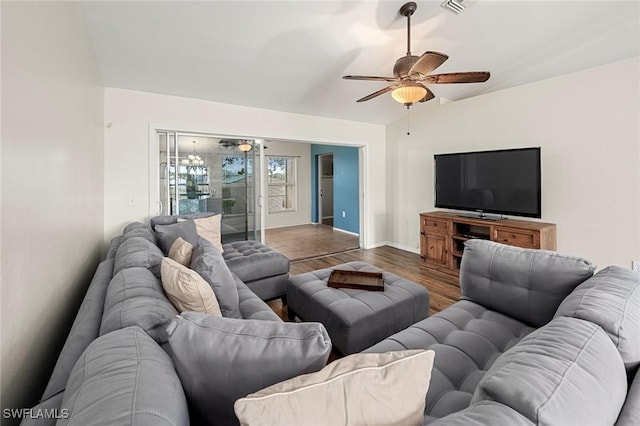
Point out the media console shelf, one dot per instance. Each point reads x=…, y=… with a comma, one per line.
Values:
x=442, y=237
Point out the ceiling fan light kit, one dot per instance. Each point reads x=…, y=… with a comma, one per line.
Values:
x=409, y=93
x=245, y=146
x=410, y=70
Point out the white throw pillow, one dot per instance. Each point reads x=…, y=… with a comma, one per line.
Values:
x=360, y=389
x=181, y=251
x=209, y=229
x=187, y=290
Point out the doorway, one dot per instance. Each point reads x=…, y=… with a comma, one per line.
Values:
x=325, y=191
x=200, y=173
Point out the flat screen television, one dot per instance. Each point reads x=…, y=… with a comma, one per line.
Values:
x=505, y=182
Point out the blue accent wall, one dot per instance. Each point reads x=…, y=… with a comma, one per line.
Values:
x=346, y=186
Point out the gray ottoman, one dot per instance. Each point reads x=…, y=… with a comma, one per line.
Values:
x=264, y=270
x=357, y=319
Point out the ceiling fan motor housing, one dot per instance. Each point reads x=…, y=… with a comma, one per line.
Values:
x=403, y=65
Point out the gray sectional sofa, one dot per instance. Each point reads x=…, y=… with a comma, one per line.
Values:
x=128, y=358
x=535, y=339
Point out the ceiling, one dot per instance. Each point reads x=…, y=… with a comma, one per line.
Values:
x=290, y=55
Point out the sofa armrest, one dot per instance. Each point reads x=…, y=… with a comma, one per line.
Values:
x=251, y=306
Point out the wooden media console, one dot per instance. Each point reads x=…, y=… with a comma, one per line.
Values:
x=442, y=236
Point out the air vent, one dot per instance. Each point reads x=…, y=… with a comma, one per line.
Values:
x=454, y=6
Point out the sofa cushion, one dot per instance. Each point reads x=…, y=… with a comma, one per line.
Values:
x=139, y=230
x=220, y=360
x=467, y=338
x=360, y=389
x=181, y=251
x=525, y=284
x=208, y=262
x=133, y=225
x=611, y=299
x=138, y=252
x=187, y=290
x=567, y=372
x=123, y=378
x=135, y=297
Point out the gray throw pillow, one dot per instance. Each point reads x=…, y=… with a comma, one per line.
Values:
x=138, y=252
x=123, y=378
x=220, y=360
x=525, y=284
x=167, y=234
x=565, y=373
x=209, y=263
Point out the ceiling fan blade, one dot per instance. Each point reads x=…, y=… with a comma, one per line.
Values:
x=364, y=77
x=428, y=62
x=428, y=96
x=378, y=93
x=458, y=77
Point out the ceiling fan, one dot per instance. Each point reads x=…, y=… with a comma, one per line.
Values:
x=411, y=71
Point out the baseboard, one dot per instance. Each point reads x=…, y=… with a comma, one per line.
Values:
x=346, y=232
x=403, y=247
x=394, y=245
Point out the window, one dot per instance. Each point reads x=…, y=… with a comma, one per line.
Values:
x=281, y=182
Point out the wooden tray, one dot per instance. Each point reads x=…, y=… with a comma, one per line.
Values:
x=358, y=280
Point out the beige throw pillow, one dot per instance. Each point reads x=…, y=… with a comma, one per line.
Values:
x=209, y=229
x=181, y=251
x=187, y=290
x=360, y=389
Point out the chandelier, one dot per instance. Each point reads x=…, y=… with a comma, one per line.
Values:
x=193, y=159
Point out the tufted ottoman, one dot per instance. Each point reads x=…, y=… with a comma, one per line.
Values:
x=264, y=270
x=357, y=319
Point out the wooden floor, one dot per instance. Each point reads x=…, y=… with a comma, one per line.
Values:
x=443, y=288
x=309, y=241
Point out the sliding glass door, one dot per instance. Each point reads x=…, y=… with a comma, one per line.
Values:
x=208, y=174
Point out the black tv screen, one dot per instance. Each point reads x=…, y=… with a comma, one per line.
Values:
x=503, y=182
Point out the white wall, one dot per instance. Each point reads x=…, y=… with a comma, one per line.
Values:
x=52, y=186
x=127, y=153
x=587, y=125
x=302, y=215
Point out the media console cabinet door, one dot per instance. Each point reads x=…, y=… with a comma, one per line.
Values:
x=434, y=241
x=436, y=249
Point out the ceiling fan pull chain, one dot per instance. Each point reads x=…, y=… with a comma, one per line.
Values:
x=408, y=120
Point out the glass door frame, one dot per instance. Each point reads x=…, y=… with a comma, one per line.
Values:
x=155, y=203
